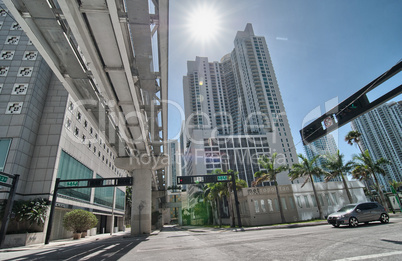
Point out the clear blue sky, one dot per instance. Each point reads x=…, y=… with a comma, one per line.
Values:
x=322, y=51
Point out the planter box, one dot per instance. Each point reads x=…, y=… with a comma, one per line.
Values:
x=14, y=240
x=92, y=232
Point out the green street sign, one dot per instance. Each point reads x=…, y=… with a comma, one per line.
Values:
x=72, y=184
x=222, y=178
x=3, y=179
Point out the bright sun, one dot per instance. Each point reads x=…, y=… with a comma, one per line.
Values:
x=204, y=23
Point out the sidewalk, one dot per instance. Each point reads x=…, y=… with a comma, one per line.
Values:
x=65, y=242
x=293, y=225
x=206, y=229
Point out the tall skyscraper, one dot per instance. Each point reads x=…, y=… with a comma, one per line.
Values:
x=45, y=134
x=381, y=131
x=321, y=147
x=234, y=111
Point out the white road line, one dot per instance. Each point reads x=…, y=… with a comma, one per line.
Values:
x=98, y=252
x=370, y=256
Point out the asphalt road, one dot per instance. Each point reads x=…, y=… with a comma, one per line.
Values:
x=374, y=241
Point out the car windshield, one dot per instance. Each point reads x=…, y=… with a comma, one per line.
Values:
x=347, y=208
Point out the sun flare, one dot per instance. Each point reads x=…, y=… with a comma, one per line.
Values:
x=204, y=23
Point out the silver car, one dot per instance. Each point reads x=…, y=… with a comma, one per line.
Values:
x=353, y=214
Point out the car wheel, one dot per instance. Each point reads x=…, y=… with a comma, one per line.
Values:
x=353, y=222
x=384, y=218
x=336, y=225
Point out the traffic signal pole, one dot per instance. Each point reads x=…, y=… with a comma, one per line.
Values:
x=52, y=209
x=9, y=206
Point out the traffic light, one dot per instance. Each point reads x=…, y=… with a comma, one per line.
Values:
x=124, y=181
x=184, y=180
x=349, y=110
x=312, y=132
x=210, y=179
x=95, y=183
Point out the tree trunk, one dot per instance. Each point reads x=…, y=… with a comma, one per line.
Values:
x=219, y=212
x=280, y=203
x=214, y=212
x=384, y=202
x=231, y=208
x=316, y=199
x=347, y=189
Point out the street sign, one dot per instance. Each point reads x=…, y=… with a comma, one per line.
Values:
x=3, y=178
x=72, y=184
x=197, y=179
x=222, y=178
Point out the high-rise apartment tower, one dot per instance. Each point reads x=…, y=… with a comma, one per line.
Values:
x=381, y=131
x=234, y=111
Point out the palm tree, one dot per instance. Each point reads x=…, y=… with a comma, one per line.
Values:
x=222, y=189
x=353, y=137
x=337, y=167
x=361, y=173
x=395, y=184
x=269, y=174
x=307, y=169
x=214, y=194
x=240, y=183
x=201, y=195
x=367, y=165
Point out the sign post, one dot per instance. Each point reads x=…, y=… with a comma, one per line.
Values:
x=52, y=208
x=9, y=206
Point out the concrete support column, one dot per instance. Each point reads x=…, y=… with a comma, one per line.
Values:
x=141, y=208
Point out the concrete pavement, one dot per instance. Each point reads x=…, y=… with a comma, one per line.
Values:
x=88, y=239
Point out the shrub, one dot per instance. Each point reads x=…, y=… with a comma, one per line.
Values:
x=79, y=221
x=27, y=215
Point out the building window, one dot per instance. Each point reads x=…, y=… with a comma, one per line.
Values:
x=283, y=201
x=299, y=202
x=328, y=199
x=313, y=200
x=7, y=55
x=276, y=204
x=68, y=123
x=291, y=203
x=256, y=206
x=263, y=206
x=4, y=148
x=334, y=198
x=307, y=201
x=4, y=71
x=321, y=199
x=14, y=107
x=79, y=116
x=70, y=168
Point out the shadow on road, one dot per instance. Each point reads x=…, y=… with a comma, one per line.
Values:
x=392, y=241
x=362, y=225
x=106, y=249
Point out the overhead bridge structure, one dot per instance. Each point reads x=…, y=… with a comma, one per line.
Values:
x=112, y=57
